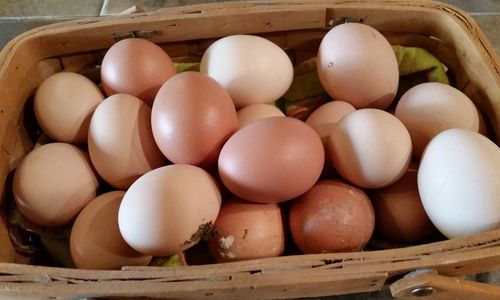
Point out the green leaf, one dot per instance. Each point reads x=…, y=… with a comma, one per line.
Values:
x=305, y=83
x=184, y=67
x=170, y=261
x=413, y=60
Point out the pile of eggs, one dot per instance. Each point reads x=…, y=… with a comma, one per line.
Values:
x=205, y=155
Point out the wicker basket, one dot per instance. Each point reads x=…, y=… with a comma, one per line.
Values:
x=297, y=26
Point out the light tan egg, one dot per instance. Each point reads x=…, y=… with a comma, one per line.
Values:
x=370, y=148
x=121, y=143
x=328, y=115
x=356, y=64
x=254, y=112
x=53, y=183
x=64, y=104
x=432, y=107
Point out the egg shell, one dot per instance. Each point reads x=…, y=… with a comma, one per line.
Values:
x=53, y=183
x=136, y=67
x=432, y=107
x=332, y=217
x=192, y=118
x=254, y=112
x=356, y=64
x=247, y=230
x=163, y=212
x=121, y=143
x=95, y=240
x=325, y=117
x=271, y=160
x=251, y=68
x=459, y=183
x=370, y=148
x=64, y=104
x=399, y=213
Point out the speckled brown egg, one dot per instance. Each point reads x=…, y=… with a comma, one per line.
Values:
x=332, y=217
x=96, y=241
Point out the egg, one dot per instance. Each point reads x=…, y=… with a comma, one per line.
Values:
x=64, y=104
x=356, y=64
x=399, y=213
x=136, y=67
x=332, y=217
x=325, y=117
x=169, y=209
x=432, y=107
x=254, y=112
x=192, y=117
x=459, y=183
x=121, y=143
x=251, y=68
x=96, y=241
x=247, y=230
x=271, y=160
x=53, y=183
x=370, y=148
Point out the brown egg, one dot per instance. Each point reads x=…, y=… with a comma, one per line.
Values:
x=332, y=217
x=192, y=118
x=169, y=209
x=96, y=241
x=356, y=64
x=121, y=143
x=247, y=230
x=53, y=183
x=328, y=115
x=136, y=67
x=271, y=160
x=64, y=104
x=370, y=148
x=399, y=213
x=254, y=112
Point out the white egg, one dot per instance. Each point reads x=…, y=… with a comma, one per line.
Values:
x=459, y=183
x=252, y=69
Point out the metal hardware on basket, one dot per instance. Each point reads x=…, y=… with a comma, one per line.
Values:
x=342, y=20
x=422, y=291
x=134, y=34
